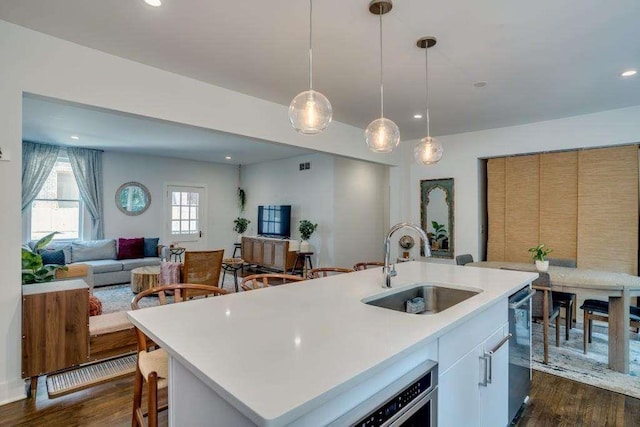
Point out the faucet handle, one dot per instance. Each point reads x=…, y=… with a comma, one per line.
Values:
x=393, y=272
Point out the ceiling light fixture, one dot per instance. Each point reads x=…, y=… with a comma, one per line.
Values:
x=75, y=137
x=228, y=157
x=428, y=151
x=154, y=3
x=628, y=73
x=310, y=111
x=417, y=116
x=382, y=135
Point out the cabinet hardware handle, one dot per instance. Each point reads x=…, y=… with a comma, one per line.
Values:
x=485, y=380
x=489, y=358
x=515, y=305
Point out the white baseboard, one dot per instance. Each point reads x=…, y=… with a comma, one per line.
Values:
x=11, y=391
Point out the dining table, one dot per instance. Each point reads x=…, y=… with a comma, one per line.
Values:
x=617, y=287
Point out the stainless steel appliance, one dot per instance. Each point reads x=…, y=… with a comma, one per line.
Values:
x=414, y=403
x=519, y=350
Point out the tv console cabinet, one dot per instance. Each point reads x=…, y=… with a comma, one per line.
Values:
x=268, y=253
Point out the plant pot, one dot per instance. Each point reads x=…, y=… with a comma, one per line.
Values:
x=542, y=265
x=304, y=246
x=239, y=238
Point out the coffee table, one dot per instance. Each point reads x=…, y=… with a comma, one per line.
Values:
x=143, y=278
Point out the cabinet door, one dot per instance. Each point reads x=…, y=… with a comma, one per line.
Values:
x=268, y=251
x=458, y=397
x=494, y=397
x=247, y=250
x=257, y=252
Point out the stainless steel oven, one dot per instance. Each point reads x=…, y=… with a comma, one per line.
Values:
x=415, y=404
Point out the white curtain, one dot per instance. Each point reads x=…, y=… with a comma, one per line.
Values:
x=87, y=168
x=37, y=162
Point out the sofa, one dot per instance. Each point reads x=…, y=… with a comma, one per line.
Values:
x=111, y=260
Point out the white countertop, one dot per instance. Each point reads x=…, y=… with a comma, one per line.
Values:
x=278, y=352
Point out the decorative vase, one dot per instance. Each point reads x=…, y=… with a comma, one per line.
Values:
x=542, y=265
x=304, y=246
x=239, y=238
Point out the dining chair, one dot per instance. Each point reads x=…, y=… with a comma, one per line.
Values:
x=257, y=281
x=544, y=308
x=594, y=309
x=152, y=366
x=464, y=259
x=567, y=300
x=203, y=267
x=367, y=264
x=316, y=273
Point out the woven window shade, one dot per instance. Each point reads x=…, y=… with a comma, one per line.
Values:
x=608, y=209
x=522, y=203
x=559, y=203
x=495, y=208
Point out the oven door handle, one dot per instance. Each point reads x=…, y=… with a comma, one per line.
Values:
x=514, y=305
x=409, y=411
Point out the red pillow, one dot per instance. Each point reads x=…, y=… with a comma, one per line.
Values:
x=95, y=306
x=130, y=248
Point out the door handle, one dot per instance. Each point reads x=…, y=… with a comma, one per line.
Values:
x=487, y=357
x=200, y=233
x=514, y=305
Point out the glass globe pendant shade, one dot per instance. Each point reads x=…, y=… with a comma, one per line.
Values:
x=428, y=151
x=382, y=135
x=310, y=112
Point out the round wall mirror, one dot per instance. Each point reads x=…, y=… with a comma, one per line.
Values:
x=133, y=198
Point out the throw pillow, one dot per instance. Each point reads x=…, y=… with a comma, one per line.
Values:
x=53, y=257
x=151, y=247
x=95, y=306
x=93, y=250
x=130, y=248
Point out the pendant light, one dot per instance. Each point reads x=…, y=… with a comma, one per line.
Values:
x=428, y=151
x=382, y=135
x=310, y=111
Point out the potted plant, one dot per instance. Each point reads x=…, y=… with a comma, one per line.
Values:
x=539, y=255
x=439, y=233
x=306, y=229
x=33, y=269
x=240, y=226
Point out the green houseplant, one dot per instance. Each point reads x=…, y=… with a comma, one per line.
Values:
x=306, y=229
x=539, y=255
x=240, y=225
x=33, y=269
x=439, y=233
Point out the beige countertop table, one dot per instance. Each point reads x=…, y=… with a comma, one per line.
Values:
x=618, y=287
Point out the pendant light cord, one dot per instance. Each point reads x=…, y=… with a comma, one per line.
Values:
x=426, y=56
x=381, y=70
x=310, y=46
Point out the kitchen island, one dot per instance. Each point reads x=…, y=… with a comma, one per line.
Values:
x=307, y=353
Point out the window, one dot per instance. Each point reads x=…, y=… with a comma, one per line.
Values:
x=57, y=206
x=185, y=212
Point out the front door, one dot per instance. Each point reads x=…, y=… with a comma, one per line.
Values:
x=186, y=216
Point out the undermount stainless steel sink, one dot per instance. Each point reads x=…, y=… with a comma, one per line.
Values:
x=436, y=298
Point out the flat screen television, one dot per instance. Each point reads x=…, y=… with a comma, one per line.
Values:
x=274, y=221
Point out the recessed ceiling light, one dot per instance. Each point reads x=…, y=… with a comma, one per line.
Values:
x=417, y=116
x=228, y=157
x=628, y=73
x=154, y=3
x=480, y=84
x=75, y=137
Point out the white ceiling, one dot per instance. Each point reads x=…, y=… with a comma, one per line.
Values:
x=542, y=60
x=52, y=121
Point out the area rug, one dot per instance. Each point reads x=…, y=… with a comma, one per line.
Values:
x=118, y=297
x=89, y=376
x=569, y=361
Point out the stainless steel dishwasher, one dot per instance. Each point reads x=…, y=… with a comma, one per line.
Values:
x=519, y=350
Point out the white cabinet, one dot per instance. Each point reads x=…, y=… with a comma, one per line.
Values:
x=473, y=387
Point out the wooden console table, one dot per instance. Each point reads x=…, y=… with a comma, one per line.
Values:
x=617, y=287
x=268, y=253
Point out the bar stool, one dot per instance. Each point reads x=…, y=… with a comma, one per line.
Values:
x=305, y=259
x=232, y=265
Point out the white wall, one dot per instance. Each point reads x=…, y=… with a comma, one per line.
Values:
x=221, y=182
x=309, y=192
x=462, y=151
x=36, y=63
x=361, y=211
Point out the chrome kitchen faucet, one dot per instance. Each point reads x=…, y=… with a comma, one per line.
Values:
x=389, y=273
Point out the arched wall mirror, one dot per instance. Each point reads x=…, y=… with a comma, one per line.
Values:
x=436, y=215
x=133, y=198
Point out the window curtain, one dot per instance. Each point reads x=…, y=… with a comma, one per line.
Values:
x=37, y=162
x=87, y=168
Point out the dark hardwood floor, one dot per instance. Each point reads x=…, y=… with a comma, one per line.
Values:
x=554, y=401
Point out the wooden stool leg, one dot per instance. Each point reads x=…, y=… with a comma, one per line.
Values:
x=567, y=321
x=152, y=415
x=590, y=331
x=585, y=343
x=33, y=387
x=137, y=397
x=558, y=330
